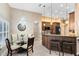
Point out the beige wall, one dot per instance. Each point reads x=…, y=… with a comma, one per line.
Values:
x=30, y=19
x=77, y=19
x=77, y=25
x=5, y=11
x=5, y=14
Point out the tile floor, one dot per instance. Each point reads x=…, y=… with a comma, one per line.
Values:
x=40, y=50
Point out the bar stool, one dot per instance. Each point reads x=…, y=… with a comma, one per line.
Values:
x=65, y=46
x=55, y=43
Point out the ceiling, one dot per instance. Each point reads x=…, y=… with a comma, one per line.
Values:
x=58, y=9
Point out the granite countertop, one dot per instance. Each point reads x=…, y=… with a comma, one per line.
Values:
x=48, y=34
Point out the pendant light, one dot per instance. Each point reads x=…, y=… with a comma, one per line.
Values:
x=51, y=14
x=66, y=21
x=44, y=17
x=44, y=13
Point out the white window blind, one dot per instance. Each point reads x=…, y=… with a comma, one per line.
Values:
x=4, y=25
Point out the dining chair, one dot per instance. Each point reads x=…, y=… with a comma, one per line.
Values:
x=69, y=43
x=14, y=38
x=55, y=44
x=67, y=46
x=29, y=45
x=10, y=48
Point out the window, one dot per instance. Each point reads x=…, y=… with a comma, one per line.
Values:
x=3, y=31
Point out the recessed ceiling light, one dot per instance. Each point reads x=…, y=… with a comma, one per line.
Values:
x=41, y=5
x=61, y=5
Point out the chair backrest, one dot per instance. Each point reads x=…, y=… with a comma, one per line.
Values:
x=69, y=39
x=30, y=42
x=14, y=38
x=8, y=44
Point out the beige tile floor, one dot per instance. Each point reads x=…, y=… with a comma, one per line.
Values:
x=40, y=50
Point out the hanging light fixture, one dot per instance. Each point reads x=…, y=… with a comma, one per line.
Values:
x=51, y=14
x=44, y=13
x=66, y=21
x=43, y=9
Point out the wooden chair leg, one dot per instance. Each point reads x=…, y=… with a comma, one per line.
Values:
x=27, y=52
x=32, y=50
x=59, y=49
x=62, y=50
x=63, y=53
x=50, y=50
x=8, y=53
x=71, y=49
x=75, y=53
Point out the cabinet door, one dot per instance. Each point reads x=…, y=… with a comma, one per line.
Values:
x=46, y=41
x=43, y=40
x=72, y=21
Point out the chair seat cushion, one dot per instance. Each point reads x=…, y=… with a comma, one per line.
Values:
x=24, y=46
x=14, y=47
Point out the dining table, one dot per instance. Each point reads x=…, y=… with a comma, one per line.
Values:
x=20, y=44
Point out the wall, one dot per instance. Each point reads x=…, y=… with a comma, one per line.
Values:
x=31, y=19
x=77, y=19
x=5, y=14
x=77, y=25
x=5, y=11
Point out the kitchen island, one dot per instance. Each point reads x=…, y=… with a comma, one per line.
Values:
x=46, y=38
